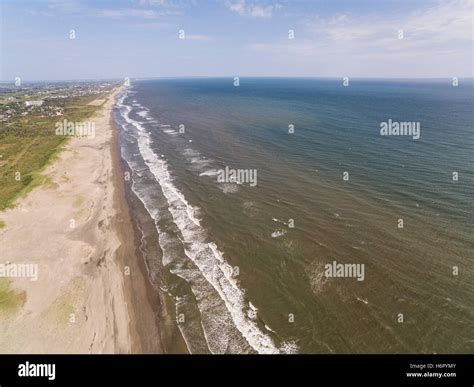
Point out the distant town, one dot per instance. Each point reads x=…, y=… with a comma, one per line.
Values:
x=44, y=99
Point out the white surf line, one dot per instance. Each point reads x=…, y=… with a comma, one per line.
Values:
x=278, y=233
x=280, y=221
x=225, y=286
x=206, y=256
x=202, y=254
x=154, y=215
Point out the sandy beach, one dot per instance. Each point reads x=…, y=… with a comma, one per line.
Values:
x=91, y=294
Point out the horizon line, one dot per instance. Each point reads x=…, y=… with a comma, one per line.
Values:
x=229, y=76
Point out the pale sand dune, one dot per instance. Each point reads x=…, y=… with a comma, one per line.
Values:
x=96, y=102
x=80, y=269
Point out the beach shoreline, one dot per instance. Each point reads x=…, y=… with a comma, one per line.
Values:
x=157, y=329
x=143, y=300
x=92, y=294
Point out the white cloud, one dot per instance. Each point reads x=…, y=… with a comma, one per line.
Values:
x=437, y=39
x=237, y=7
x=133, y=13
x=64, y=5
x=124, y=13
x=243, y=8
x=39, y=13
x=446, y=22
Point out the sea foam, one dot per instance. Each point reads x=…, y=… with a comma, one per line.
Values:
x=205, y=255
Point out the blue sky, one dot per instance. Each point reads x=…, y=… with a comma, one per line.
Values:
x=140, y=38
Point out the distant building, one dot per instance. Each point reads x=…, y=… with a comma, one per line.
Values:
x=33, y=103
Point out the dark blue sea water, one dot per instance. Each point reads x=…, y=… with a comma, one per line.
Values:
x=245, y=263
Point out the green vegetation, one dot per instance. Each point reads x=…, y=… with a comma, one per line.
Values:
x=2, y=224
x=10, y=300
x=79, y=201
x=28, y=143
x=65, y=305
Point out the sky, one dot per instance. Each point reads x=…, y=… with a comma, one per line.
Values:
x=103, y=39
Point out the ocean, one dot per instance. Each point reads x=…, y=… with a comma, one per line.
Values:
x=251, y=193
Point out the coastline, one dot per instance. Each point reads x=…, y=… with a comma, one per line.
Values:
x=156, y=328
x=76, y=232
x=143, y=301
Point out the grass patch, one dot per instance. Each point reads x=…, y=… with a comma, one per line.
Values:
x=65, y=305
x=2, y=224
x=49, y=183
x=10, y=300
x=29, y=144
x=79, y=201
